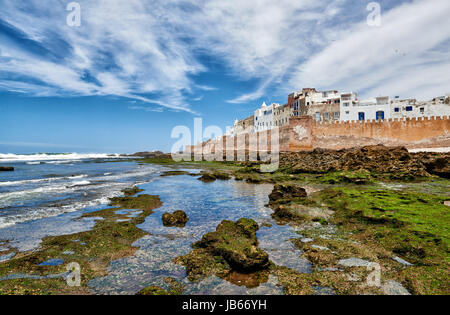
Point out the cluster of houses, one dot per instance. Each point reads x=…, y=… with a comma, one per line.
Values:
x=328, y=106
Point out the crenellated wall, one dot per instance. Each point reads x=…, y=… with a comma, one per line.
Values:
x=426, y=132
x=304, y=134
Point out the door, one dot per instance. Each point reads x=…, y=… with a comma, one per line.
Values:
x=361, y=116
x=380, y=115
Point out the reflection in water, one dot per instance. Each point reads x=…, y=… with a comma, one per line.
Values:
x=206, y=206
x=248, y=280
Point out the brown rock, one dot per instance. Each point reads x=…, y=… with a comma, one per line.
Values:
x=176, y=219
x=237, y=244
x=287, y=192
x=395, y=161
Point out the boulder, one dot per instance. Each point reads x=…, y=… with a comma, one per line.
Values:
x=176, y=219
x=207, y=178
x=232, y=247
x=211, y=177
x=6, y=169
x=237, y=244
x=281, y=191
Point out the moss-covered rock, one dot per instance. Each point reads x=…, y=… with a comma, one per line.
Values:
x=237, y=244
x=132, y=191
x=232, y=247
x=174, y=173
x=208, y=177
x=153, y=290
x=178, y=219
x=141, y=202
x=175, y=288
x=286, y=192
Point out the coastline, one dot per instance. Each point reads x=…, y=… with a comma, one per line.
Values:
x=339, y=237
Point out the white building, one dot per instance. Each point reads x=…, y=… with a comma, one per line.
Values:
x=317, y=97
x=264, y=117
x=438, y=106
x=378, y=108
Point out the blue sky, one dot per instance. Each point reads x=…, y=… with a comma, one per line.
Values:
x=135, y=69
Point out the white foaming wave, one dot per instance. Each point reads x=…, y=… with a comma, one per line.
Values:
x=111, y=189
x=8, y=197
x=47, y=212
x=10, y=157
x=110, y=176
x=80, y=183
x=5, y=198
x=60, y=162
x=40, y=180
x=33, y=163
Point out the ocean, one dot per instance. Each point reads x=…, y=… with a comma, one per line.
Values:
x=47, y=185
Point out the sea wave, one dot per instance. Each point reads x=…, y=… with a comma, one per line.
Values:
x=48, y=212
x=80, y=183
x=41, y=180
x=10, y=157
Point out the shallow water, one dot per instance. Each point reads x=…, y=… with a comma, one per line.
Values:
x=43, y=189
x=206, y=206
x=54, y=207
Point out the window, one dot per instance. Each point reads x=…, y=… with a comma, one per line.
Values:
x=397, y=109
x=336, y=115
x=361, y=116
x=422, y=110
x=380, y=115
x=347, y=112
x=409, y=108
x=346, y=104
x=317, y=116
x=327, y=116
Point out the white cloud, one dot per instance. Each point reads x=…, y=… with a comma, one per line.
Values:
x=125, y=48
x=138, y=48
x=407, y=54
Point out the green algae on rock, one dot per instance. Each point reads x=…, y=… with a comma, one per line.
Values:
x=175, y=288
x=208, y=177
x=174, y=173
x=132, y=191
x=281, y=191
x=232, y=247
x=176, y=219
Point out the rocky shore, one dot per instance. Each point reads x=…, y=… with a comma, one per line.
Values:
x=396, y=162
x=352, y=211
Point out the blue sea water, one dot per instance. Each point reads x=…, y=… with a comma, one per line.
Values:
x=46, y=188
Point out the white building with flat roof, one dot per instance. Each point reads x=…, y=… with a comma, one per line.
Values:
x=378, y=108
x=409, y=108
x=264, y=117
